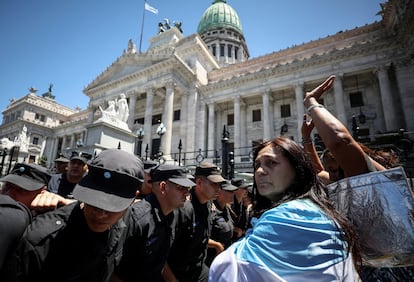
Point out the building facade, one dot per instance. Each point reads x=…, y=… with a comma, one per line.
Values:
x=206, y=90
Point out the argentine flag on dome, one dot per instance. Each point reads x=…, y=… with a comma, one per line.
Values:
x=151, y=9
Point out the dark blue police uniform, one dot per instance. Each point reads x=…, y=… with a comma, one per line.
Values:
x=59, y=246
x=14, y=218
x=150, y=238
x=189, y=248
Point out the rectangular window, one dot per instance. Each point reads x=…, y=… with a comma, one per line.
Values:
x=35, y=140
x=285, y=110
x=40, y=117
x=236, y=52
x=221, y=50
x=230, y=119
x=177, y=115
x=213, y=49
x=156, y=119
x=139, y=121
x=229, y=49
x=256, y=115
x=356, y=99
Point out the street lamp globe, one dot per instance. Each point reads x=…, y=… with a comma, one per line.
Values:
x=140, y=133
x=161, y=129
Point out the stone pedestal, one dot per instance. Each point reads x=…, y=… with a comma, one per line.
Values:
x=102, y=135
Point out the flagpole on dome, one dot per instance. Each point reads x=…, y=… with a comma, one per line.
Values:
x=146, y=8
x=142, y=27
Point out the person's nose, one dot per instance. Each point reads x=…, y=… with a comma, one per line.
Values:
x=260, y=170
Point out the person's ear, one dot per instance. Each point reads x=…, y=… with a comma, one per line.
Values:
x=163, y=187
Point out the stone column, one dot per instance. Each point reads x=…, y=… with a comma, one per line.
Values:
x=54, y=147
x=167, y=118
x=132, y=103
x=192, y=121
x=63, y=143
x=72, y=140
x=299, y=95
x=148, y=120
x=388, y=103
x=43, y=146
x=211, y=131
x=201, y=126
x=266, y=116
x=339, y=99
x=243, y=129
x=237, y=119
x=183, y=116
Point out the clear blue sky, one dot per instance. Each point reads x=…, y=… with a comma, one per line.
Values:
x=69, y=43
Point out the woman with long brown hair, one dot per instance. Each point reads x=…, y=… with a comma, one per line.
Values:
x=296, y=233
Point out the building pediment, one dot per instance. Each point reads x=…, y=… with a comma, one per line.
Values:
x=124, y=66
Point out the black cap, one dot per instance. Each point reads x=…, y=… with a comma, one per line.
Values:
x=77, y=157
x=148, y=164
x=112, y=180
x=61, y=159
x=227, y=186
x=209, y=170
x=172, y=173
x=239, y=183
x=29, y=177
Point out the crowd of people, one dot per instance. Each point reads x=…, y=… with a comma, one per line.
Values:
x=116, y=217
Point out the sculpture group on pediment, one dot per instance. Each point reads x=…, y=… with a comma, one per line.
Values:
x=166, y=25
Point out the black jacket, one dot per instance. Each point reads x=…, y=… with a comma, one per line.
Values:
x=14, y=217
x=59, y=246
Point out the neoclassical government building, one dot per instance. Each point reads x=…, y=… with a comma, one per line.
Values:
x=203, y=86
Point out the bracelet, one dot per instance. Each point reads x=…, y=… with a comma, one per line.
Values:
x=311, y=107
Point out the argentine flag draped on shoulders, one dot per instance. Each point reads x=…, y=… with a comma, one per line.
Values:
x=294, y=241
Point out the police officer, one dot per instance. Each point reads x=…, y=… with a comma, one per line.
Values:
x=82, y=241
x=145, y=252
x=146, y=187
x=222, y=223
x=64, y=183
x=25, y=182
x=240, y=210
x=14, y=217
x=61, y=163
x=186, y=261
x=22, y=190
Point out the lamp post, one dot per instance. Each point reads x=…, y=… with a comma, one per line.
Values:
x=231, y=164
x=180, y=147
x=140, y=135
x=3, y=157
x=160, y=131
x=355, y=128
x=146, y=152
x=284, y=129
x=224, y=155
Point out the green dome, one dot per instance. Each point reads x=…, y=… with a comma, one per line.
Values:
x=219, y=15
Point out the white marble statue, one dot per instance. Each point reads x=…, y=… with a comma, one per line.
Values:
x=110, y=113
x=22, y=140
x=5, y=143
x=116, y=113
x=123, y=109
